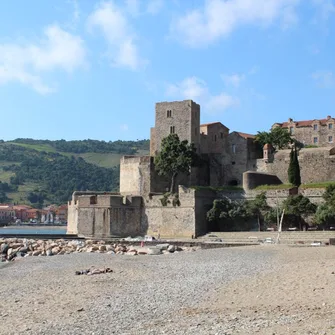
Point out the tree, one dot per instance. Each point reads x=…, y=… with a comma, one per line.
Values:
x=175, y=157
x=297, y=209
x=225, y=213
x=258, y=207
x=278, y=137
x=293, y=171
x=325, y=213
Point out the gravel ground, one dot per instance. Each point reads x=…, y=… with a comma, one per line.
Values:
x=202, y=292
x=144, y=294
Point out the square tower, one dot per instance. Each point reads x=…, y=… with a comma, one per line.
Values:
x=177, y=117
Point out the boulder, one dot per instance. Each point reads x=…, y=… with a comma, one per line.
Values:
x=55, y=250
x=4, y=248
x=171, y=248
x=49, y=253
x=36, y=252
x=163, y=246
x=102, y=248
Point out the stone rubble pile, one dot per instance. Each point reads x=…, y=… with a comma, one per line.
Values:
x=11, y=248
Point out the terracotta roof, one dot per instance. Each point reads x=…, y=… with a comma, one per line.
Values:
x=210, y=124
x=304, y=123
x=245, y=135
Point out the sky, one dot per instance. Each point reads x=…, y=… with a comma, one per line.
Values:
x=78, y=69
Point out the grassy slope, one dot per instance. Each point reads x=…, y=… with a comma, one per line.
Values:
x=106, y=160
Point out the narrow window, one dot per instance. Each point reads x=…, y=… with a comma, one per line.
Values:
x=93, y=200
x=330, y=139
x=315, y=127
x=168, y=113
x=330, y=126
x=172, y=130
x=291, y=130
x=214, y=138
x=233, y=148
x=315, y=140
x=221, y=134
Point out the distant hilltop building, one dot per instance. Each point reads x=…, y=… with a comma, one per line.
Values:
x=229, y=159
x=319, y=133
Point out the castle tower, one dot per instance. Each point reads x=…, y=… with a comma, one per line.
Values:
x=178, y=117
x=268, y=152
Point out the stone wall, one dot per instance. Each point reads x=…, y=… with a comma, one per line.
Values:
x=135, y=175
x=241, y=156
x=184, y=116
x=96, y=215
x=316, y=165
x=253, y=179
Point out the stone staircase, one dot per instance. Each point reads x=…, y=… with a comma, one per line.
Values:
x=286, y=237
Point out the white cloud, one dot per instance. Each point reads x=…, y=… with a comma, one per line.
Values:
x=219, y=18
x=122, y=49
x=197, y=89
x=233, y=79
x=325, y=79
x=155, y=6
x=27, y=63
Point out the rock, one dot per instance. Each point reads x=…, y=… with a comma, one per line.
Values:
x=16, y=245
x=24, y=249
x=55, y=250
x=154, y=251
x=163, y=246
x=171, y=248
x=49, y=253
x=4, y=247
x=36, y=252
x=102, y=248
x=131, y=253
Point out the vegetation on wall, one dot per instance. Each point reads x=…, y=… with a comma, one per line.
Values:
x=299, y=212
x=325, y=214
x=278, y=137
x=174, y=158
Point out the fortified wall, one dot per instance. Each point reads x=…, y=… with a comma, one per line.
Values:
x=316, y=164
x=93, y=214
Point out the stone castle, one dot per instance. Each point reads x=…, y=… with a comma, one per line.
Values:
x=230, y=159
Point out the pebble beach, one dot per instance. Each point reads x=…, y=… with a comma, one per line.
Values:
x=240, y=290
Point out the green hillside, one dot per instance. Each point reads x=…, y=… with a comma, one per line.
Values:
x=40, y=172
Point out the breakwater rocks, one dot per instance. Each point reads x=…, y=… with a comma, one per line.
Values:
x=11, y=248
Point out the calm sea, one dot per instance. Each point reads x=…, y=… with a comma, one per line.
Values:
x=32, y=230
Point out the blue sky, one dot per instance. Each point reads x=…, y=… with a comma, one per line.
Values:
x=89, y=69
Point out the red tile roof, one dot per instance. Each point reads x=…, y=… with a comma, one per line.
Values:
x=210, y=124
x=245, y=135
x=305, y=123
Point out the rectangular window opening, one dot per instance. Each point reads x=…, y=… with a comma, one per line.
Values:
x=169, y=113
x=233, y=148
x=172, y=130
x=315, y=127
x=315, y=140
x=330, y=126
x=330, y=139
